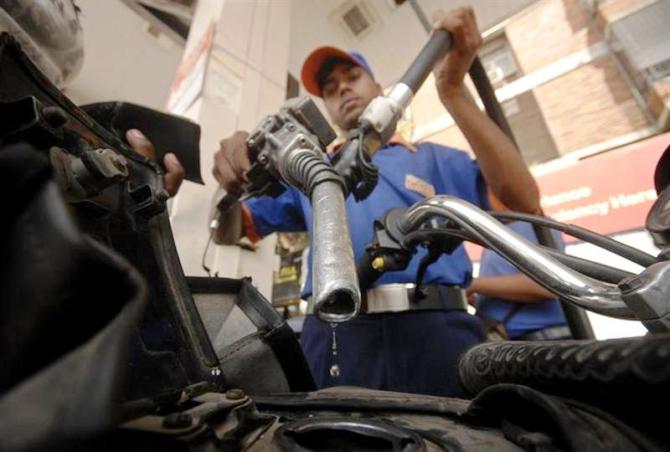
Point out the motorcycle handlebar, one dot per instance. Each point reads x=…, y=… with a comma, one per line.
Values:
x=588, y=293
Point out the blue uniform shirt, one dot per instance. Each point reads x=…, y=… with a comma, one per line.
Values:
x=405, y=177
x=532, y=316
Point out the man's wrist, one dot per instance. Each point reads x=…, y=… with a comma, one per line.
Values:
x=474, y=285
x=481, y=285
x=451, y=95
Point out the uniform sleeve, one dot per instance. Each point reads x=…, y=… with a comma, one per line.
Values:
x=265, y=215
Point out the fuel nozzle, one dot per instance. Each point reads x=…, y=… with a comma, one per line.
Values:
x=288, y=148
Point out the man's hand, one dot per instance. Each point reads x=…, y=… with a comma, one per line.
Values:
x=231, y=163
x=174, y=172
x=450, y=72
x=471, y=293
x=515, y=288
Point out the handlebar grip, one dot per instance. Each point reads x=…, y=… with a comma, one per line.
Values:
x=437, y=46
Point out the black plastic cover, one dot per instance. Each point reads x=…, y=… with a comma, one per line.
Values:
x=168, y=133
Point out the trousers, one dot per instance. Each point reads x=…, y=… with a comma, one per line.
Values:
x=410, y=351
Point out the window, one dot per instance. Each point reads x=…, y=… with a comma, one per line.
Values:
x=498, y=61
x=522, y=112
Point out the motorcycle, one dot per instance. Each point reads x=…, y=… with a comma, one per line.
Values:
x=107, y=345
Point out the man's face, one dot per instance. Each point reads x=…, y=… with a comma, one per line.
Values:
x=346, y=91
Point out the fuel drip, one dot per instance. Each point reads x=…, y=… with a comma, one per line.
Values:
x=335, y=367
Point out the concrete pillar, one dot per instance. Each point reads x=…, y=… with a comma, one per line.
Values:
x=240, y=48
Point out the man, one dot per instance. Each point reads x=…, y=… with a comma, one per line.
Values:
x=415, y=350
x=512, y=305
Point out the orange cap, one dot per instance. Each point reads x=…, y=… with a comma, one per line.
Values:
x=316, y=59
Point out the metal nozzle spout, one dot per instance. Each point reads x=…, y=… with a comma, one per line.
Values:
x=337, y=297
x=339, y=304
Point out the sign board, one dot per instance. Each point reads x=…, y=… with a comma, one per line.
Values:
x=190, y=77
x=607, y=193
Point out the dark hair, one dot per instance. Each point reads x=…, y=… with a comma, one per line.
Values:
x=327, y=67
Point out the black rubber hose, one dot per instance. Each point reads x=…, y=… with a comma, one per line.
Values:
x=488, y=96
x=607, y=243
x=589, y=268
x=623, y=376
x=353, y=163
x=309, y=170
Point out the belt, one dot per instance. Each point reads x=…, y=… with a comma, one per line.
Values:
x=552, y=333
x=400, y=297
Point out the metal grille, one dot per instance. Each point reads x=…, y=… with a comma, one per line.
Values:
x=355, y=20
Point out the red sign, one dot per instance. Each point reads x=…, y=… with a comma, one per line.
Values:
x=607, y=193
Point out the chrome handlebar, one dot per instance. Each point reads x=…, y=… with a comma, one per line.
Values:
x=588, y=293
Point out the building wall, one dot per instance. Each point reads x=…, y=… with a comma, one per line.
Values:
x=550, y=30
x=585, y=100
x=530, y=128
x=659, y=102
x=589, y=105
x=656, y=93
x=244, y=80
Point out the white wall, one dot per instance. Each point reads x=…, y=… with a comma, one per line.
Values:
x=244, y=81
x=121, y=60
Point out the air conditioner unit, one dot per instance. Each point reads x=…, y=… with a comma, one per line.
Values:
x=494, y=73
